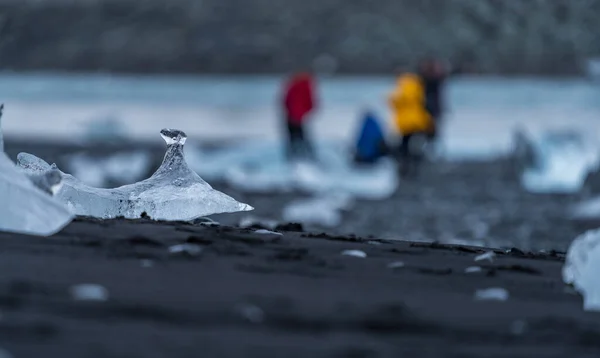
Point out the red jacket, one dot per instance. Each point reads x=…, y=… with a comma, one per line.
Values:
x=298, y=98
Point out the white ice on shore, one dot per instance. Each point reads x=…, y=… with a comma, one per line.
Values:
x=492, y=294
x=582, y=266
x=121, y=168
x=27, y=204
x=173, y=192
x=559, y=160
x=322, y=211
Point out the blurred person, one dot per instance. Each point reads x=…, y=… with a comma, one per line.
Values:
x=412, y=120
x=298, y=103
x=433, y=75
x=370, y=144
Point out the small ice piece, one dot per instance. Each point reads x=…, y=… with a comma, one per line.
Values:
x=251, y=312
x=518, y=327
x=89, y=292
x=146, y=263
x=581, y=268
x=173, y=192
x=396, y=264
x=490, y=255
x=473, y=269
x=26, y=209
x=267, y=232
x=5, y=354
x=1, y=135
x=354, y=253
x=491, y=294
x=189, y=249
x=248, y=221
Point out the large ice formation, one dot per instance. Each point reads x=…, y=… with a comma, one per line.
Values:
x=173, y=192
x=25, y=208
x=582, y=266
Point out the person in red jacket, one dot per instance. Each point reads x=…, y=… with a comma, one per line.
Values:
x=298, y=103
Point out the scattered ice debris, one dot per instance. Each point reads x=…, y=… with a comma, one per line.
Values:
x=490, y=256
x=473, y=269
x=354, y=253
x=396, y=264
x=581, y=268
x=557, y=161
x=25, y=208
x=491, y=294
x=267, y=232
x=263, y=167
x=188, y=249
x=121, y=168
x=173, y=192
x=251, y=313
x=322, y=211
x=146, y=263
x=89, y=292
x=518, y=327
x=248, y=221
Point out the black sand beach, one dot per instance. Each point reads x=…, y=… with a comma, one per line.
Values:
x=240, y=293
x=263, y=295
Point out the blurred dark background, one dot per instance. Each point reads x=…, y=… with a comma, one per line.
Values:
x=550, y=37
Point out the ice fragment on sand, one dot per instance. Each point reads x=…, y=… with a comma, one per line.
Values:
x=173, y=192
x=490, y=255
x=491, y=294
x=473, y=269
x=25, y=208
x=354, y=253
x=396, y=264
x=251, y=312
x=89, y=292
x=267, y=232
x=582, y=266
x=189, y=249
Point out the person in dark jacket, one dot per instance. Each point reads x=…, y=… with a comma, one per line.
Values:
x=433, y=75
x=298, y=103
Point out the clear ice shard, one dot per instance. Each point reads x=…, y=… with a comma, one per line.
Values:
x=173, y=192
x=26, y=209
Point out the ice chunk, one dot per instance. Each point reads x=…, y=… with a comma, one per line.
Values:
x=89, y=292
x=25, y=208
x=396, y=264
x=558, y=161
x=581, y=268
x=188, y=249
x=322, y=211
x=490, y=255
x=173, y=192
x=1, y=134
x=492, y=294
x=267, y=232
x=354, y=253
x=473, y=269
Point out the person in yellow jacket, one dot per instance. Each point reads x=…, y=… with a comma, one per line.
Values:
x=411, y=118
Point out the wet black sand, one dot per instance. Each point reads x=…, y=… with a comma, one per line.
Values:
x=264, y=295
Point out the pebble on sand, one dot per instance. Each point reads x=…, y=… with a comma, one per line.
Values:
x=189, y=249
x=491, y=294
x=396, y=264
x=89, y=292
x=473, y=269
x=354, y=253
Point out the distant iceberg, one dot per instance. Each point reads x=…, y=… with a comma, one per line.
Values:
x=173, y=192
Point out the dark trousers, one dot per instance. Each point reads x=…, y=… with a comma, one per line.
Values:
x=299, y=145
x=409, y=159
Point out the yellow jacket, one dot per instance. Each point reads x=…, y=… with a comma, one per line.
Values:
x=407, y=102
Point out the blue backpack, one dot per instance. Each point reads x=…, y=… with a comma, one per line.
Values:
x=370, y=145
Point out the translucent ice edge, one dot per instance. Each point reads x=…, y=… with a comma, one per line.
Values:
x=173, y=192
